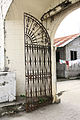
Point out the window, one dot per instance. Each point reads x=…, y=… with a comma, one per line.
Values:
x=57, y=56
x=73, y=55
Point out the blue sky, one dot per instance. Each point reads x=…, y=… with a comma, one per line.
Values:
x=70, y=25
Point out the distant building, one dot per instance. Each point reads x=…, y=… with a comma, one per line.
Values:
x=68, y=49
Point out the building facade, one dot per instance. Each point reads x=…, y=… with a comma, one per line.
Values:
x=68, y=51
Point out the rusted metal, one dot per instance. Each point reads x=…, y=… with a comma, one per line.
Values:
x=37, y=64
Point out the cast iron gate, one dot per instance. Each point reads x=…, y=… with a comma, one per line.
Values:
x=37, y=63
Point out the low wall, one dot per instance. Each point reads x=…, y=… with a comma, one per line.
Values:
x=7, y=86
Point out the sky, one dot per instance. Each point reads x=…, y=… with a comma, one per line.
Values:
x=70, y=25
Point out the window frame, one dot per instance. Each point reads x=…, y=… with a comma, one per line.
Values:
x=73, y=55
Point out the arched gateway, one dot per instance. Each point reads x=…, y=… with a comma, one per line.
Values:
x=37, y=63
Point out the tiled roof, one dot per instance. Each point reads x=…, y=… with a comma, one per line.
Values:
x=61, y=42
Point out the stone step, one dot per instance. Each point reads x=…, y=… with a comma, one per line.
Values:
x=12, y=107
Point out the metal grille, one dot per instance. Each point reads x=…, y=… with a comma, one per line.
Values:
x=37, y=64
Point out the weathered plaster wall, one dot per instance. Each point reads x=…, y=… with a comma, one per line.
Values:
x=15, y=52
x=14, y=27
x=7, y=86
x=4, y=5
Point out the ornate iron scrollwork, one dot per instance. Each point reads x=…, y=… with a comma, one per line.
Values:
x=35, y=32
x=37, y=63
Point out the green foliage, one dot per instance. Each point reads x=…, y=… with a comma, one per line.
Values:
x=22, y=96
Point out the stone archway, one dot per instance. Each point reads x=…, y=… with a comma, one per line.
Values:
x=52, y=30
x=59, y=18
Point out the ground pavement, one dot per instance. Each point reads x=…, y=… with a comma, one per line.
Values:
x=68, y=109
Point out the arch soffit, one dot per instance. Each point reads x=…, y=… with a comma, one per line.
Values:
x=59, y=18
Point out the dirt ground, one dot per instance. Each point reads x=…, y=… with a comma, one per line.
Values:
x=68, y=109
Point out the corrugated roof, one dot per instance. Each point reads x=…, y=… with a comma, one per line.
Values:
x=61, y=42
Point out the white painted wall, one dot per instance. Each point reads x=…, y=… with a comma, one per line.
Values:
x=14, y=27
x=15, y=51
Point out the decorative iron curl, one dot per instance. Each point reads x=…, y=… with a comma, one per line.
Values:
x=35, y=32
